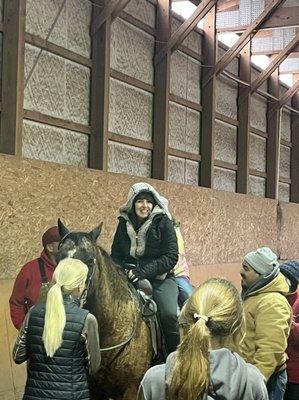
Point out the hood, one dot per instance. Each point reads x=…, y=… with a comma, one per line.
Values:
x=161, y=206
x=275, y=282
x=229, y=374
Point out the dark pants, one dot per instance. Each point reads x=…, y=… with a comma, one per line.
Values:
x=276, y=385
x=292, y=391
x=165, y=294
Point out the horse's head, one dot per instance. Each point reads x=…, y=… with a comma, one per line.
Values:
x=79, y=245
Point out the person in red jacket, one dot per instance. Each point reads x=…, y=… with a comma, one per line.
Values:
x=290, y=269
x=32, y=275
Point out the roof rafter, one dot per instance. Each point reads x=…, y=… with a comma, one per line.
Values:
x=281, y=18
x=235, y=49
x=187, y=26
x=289, y=94
x=295, y=52
x=111, y=10
x=274, y=64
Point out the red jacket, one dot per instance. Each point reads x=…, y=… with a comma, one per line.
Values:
x=27, y=288
x=293, y=342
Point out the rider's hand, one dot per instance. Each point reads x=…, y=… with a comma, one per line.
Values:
x=131, y=275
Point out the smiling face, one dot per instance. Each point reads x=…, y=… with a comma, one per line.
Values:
x=143, y=208
x=249, y=276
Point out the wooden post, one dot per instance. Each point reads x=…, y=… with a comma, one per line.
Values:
x=161, y=96
x=244, y=120
x=13, y=77
x=273, y=141
x=295, y=152
x=100, y=76
x=209, y=48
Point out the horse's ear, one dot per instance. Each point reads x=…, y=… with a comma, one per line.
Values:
x=95, y=233
x=63, y=231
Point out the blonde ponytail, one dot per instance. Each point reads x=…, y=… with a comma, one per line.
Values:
x=68, y=275
x=213, y=313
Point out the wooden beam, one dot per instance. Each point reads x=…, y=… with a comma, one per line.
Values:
x=110, y=11
x=180, y=35
x=228, y=5
x=282, y=17
x=244, y=120
x=100, y=76
x=270, y=52
x=273, y=142
x=161, y=96
x=13, y=77
x=294, y=192
x=289, y=94
x=209, y=47
x=291, y=71
x=236, y=48
x=274, y=64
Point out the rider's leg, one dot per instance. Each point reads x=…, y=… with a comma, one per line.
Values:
x=165, y=294
x=185, y=289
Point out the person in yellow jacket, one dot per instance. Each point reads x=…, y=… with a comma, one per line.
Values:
x=267, y=316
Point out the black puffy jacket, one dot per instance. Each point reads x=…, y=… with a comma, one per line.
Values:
x=63, y=376
x=161, y=248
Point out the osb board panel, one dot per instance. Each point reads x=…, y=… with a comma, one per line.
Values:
x=233, y=66
x=257, y=186
x=132, y=51
x=257, y=152
x=12, y=376
x=57, y=87
x=219, y=227
x=285, y=161
x=230, y=271
x=258, y=112
x=45, y=142
x=289, y=231
x=285, y=125
x=226, y=97
x=224, y=179
x=143, y=11
x=192, y=41
x=130, y=111
x=283, y=192
x=72, y=27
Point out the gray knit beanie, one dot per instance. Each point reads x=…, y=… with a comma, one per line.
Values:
x=263, y=260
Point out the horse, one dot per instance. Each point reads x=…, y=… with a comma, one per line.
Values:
x=125, y=342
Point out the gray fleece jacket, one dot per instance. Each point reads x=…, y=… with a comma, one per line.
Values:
x=231, y=379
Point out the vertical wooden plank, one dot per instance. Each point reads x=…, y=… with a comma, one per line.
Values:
x=244, y=120
x=209, y=47
x=100, y=76
x=295, y=151
x=161, y=96
x=14, y=13
x=273, y=141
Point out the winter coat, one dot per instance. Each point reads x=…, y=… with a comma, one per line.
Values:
x=152, y=247
x=63, y=376
x=293, y=342
x=268, y=317
x=231, y=379
x=27, y=287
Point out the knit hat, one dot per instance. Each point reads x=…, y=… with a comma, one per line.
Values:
x=290, y=269
x=51, y=235
x=263, y=260
x=145, y=196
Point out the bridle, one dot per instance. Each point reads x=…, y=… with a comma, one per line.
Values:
x=83, y=300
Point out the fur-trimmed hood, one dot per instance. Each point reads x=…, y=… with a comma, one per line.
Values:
x=161, y=206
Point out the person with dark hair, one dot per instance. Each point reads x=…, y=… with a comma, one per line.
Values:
x=32, y=276
x=290, y=269
x=205, y=365
x=145, y=245
x=60, y=339
x=267, y=316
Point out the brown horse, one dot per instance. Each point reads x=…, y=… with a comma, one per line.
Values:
x=124, y=337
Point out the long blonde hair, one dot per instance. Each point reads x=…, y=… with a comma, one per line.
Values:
x=68, y=275
x=213, y=312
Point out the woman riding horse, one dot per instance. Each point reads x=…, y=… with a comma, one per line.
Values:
x=145, y=245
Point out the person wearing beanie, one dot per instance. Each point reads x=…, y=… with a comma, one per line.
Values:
x=290, y=269
x=267, y=317
x=145, y=245
x=32, y=276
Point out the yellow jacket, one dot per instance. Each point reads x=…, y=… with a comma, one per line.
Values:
x=268, y=317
